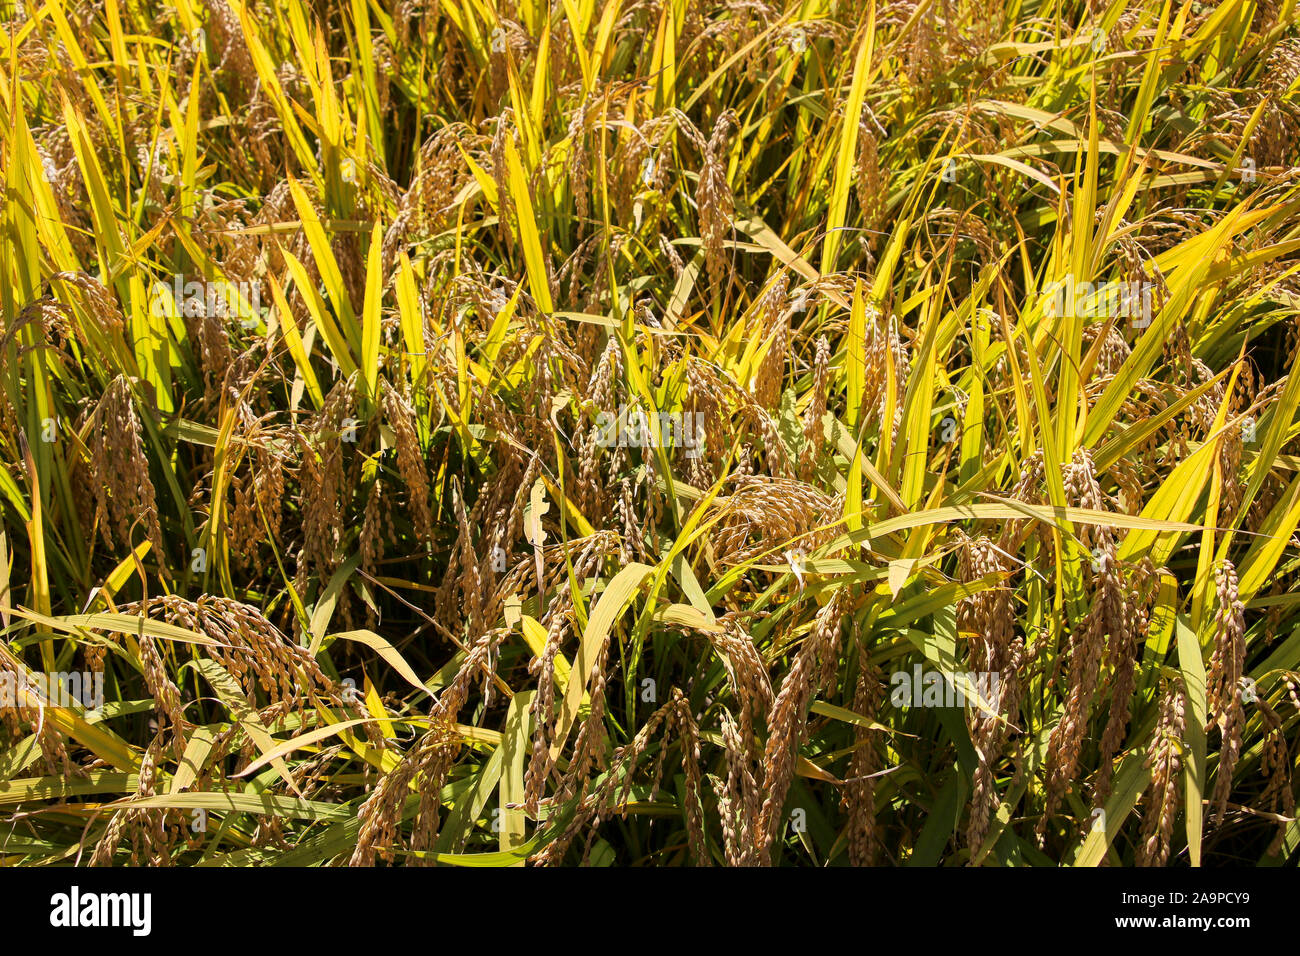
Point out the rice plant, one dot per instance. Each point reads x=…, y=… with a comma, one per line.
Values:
x=650, y=432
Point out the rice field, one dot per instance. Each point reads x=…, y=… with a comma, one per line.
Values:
x=649, y=433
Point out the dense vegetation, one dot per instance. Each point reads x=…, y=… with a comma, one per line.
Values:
x=650, y=432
